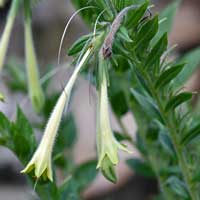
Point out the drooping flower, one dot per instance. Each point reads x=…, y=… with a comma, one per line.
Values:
x=35, y=90
x=42, y=158
x=7, y=30
x=107, y=145
x=2, y=2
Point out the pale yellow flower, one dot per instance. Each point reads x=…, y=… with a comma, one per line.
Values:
x=42, y=158
x=7, y=30
x=107, y=145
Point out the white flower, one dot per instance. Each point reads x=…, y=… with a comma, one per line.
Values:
x=41, y=160
x=7, y=30
x=107, y=145
x=35, y=89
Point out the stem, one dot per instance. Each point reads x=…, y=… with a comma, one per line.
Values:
x=148, y=156
x=178, y=149
x=7, y=31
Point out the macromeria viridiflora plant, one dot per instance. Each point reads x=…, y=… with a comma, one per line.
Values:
x=129, y=50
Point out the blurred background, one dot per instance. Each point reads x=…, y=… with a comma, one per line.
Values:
x=49, y=19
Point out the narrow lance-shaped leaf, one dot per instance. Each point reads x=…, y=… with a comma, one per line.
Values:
x=146, y=33
x=192, y=60
x=124, y=35
x=177, y=100
x=167, y=15
x=78, y=45
x=168, y=75
x=178, y=186
x=156, y=52
x=146, y=104
x=191, y=135
x=136, y=15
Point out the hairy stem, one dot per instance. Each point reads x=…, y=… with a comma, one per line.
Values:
x=173, y=134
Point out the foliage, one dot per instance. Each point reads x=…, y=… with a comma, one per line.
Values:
x=135, y=75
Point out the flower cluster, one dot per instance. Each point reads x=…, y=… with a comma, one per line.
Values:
x=107, y=145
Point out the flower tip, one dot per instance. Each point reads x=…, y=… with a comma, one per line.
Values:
x=38, y=100
x=107, y=169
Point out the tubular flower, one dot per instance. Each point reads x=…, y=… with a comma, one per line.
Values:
x=107, y=145
x=35, y=89
x=2, y=2
x=7, y=30
x=41, y=160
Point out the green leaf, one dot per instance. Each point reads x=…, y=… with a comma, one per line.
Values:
x=147, y=105
x=80, y=178
x=122, y=137
x=171, y=170
x=17, y=75
x=146, y=33
x=120, y=63
x=124, y=35
x=168, y=75
x=119, y=103
x=5, y=127
x=191, y=135
x=23, y=137
x=2, y=97
x=69, y=189
x=177, y=100
x=141, y=79
x=79, y=44
x=117, y=94
x=135, y=16
x=84, y=174
x=141, y=167
x=177, y=186
x=168, y=14
x=90, y=15
x=108, y=170
x=166, y=142
x=156, y=52
x=192, y=60
x=67, y=134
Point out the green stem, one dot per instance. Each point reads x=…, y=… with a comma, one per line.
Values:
x=178, y=148
x=7, y=31
x=148, y=156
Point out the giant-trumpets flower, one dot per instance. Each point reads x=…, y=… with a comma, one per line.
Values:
x=107, y=145
x=7, y=30
x=42, y=158
x=35, y=90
